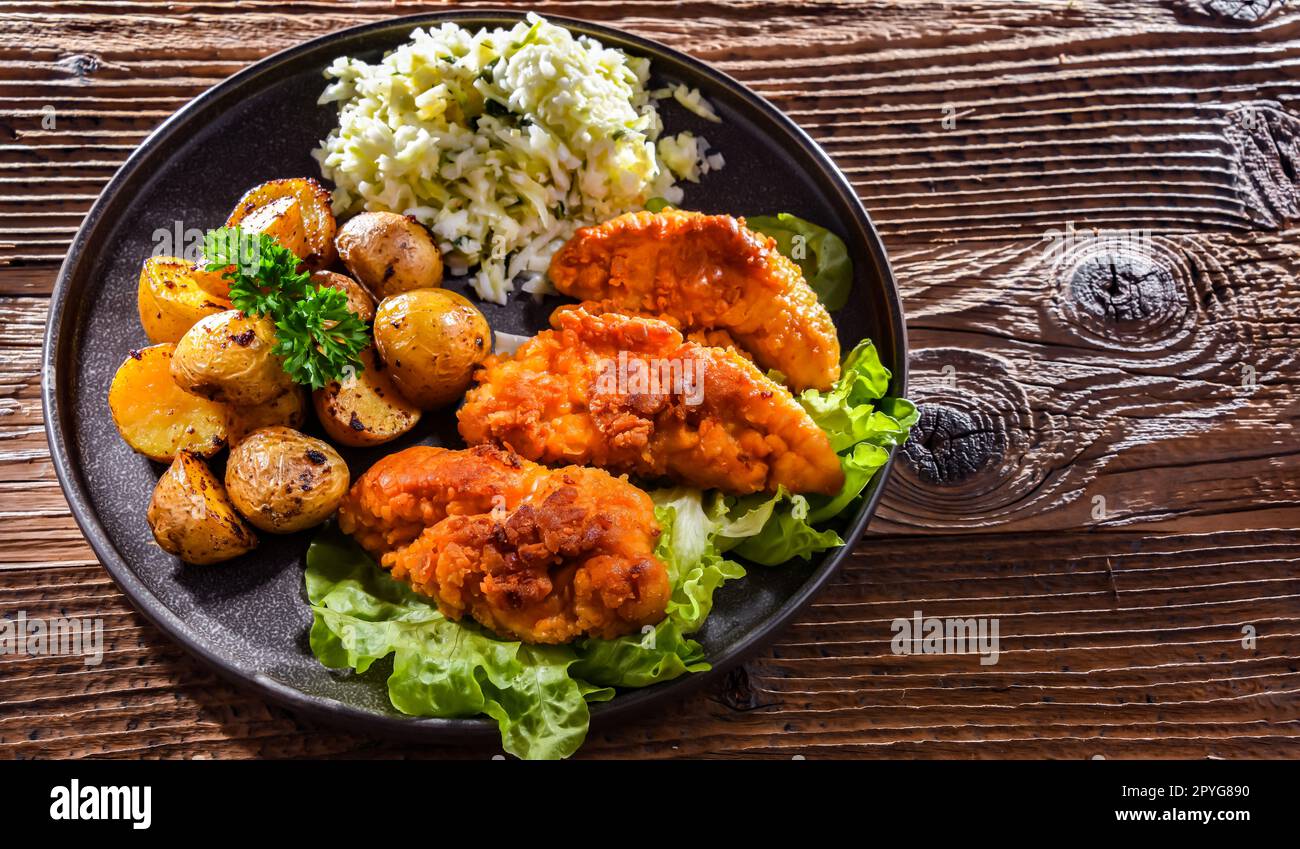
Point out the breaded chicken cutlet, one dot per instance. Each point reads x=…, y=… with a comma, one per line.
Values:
x=536, y=554
x=572, y=395
x=705, y=273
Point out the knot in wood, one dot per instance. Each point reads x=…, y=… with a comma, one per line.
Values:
x=1122, y=287
x=1138, y=291
x=80, y=64
x=949, y=445
x=1238, y=12
x=736, y=691
x=1266, y=160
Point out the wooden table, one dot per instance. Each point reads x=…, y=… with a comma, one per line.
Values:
x=1106, y=465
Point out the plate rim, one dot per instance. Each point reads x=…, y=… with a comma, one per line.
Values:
x=60, y=343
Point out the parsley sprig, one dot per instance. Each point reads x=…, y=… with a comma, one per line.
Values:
x=318, y=338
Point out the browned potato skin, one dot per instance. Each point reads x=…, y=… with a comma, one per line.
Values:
x=228, y=357
x=359, y=301
x=431, y=340
x=389, y=253
x=284, y=481
x=365, y=410
x=288, y=409
x=312, y=237
x=173, y=295
x=156, y=417
x=192, y=517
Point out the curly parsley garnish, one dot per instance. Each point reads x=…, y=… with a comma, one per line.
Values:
x=318, y=338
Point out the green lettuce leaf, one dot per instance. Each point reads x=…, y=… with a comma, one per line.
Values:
x=696, y=567
x=821, y=255
x=855, y=410
x=657, y=654
x=861, y=422
x=860, y=464
x=785, y=534
x=440, y=667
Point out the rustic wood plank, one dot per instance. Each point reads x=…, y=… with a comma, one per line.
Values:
x=1163, y=393
x=1112, y=128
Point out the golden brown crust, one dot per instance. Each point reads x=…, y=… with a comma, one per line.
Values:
x=721, y=424
x=192, y=517
x=297, y=212
x=366, y=408
x=405, y=492
x=706, y=272
x=532, y=553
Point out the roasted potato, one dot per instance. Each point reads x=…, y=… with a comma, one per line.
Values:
x=365, y=409
x=389, y=253
x=288, y=409
x=212, y=282
x=284, y=481
x=296, y=212
x=359, y=300
x=228, y=357
x=281, y=219
x=158, y=418
x=173, y=295
x=191, y=516
x=431, y=340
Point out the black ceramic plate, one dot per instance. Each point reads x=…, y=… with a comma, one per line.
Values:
x=248, y=617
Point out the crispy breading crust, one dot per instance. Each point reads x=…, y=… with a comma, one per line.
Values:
x=551, y=403
x=532, y=553
x=706, y=272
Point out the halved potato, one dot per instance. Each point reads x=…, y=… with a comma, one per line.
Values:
x=158, y=418
x=366, y=409
x=297, y=212
x=359, y=300
x=230, y=357
x=173, y=295
x=281, y=219
x=191, y=516
x=288, y=409
x=284, y=481
x=212, y=282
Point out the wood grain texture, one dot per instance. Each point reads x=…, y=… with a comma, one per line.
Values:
x=1106, y=463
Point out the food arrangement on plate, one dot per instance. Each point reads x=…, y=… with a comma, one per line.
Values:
x=688, y=410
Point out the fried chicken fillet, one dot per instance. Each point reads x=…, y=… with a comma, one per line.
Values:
x=536, y=554
x=705, y=272
x=600, y=390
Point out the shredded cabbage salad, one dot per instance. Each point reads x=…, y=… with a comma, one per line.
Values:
x=504, y=141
